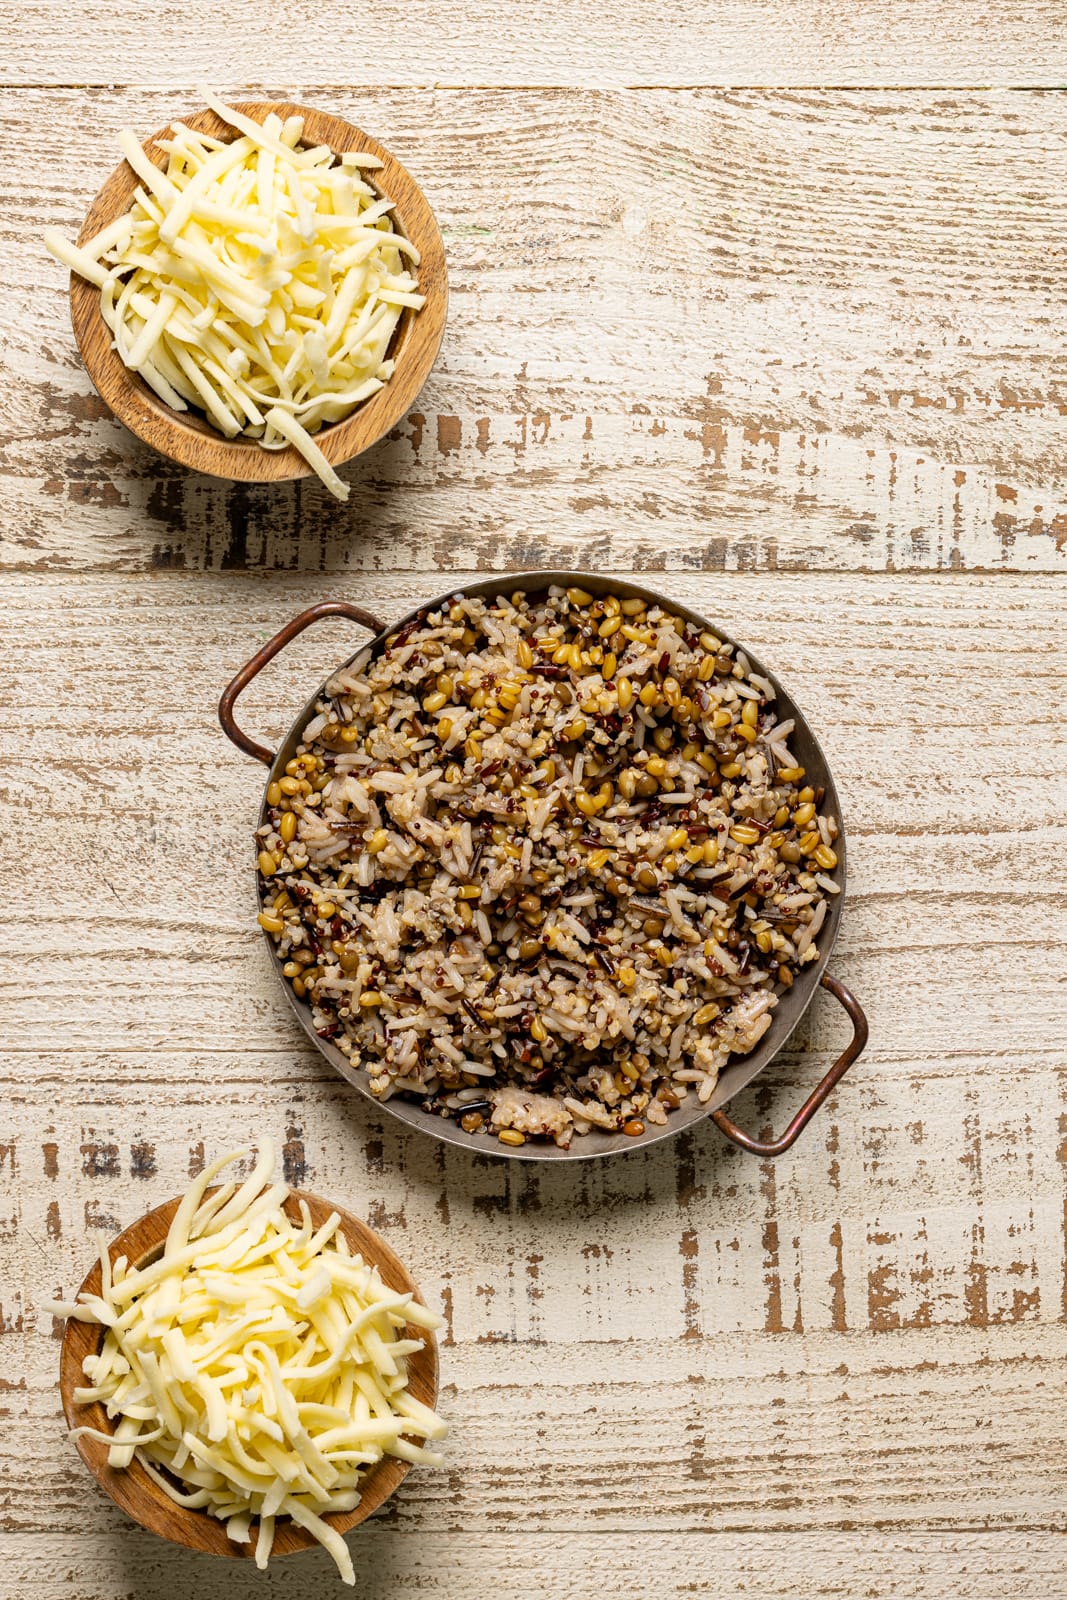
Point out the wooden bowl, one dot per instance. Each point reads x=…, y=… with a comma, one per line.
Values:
x=133, y=1489
x=188, y=437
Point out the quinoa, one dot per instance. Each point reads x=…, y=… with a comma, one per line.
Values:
x=545, y=863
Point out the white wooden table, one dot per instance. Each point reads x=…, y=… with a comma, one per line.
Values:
x=799, y=352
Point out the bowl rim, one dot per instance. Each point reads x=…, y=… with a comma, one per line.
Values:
x=131, y=1488
x=740, y=1070
x=189, y=439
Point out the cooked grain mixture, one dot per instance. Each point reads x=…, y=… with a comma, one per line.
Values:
x=545, y=864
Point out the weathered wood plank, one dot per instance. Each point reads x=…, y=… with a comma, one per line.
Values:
x=897, y=1212
x=695, y=331
x=955, y=864
x=798, y=351
x=775, y=1433
x=800, y=42
x=458, y=1564
x=763, y=1346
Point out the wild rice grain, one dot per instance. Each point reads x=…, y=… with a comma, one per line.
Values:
x=547, y=917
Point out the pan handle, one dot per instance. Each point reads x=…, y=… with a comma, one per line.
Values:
x=854, y=1048
x=284, y=636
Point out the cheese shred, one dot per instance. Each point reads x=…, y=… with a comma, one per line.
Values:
x=256, y=1369
x=257, y=281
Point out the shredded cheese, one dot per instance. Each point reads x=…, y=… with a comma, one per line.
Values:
x=257, y=1369
x=257, y=281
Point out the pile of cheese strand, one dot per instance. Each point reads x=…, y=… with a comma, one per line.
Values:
x=256, y=280
x=257, y=1369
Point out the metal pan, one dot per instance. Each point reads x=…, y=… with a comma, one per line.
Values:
x=791, y=1005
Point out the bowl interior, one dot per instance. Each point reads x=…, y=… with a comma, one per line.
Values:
x=188, y=437
x=133, y=1490
x=791, y=1005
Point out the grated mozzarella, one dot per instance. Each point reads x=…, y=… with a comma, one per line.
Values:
x=257, y=1368
x=255, y=280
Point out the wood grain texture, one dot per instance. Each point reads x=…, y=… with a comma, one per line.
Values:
x=692, y=331
x=133, y=1491
x=187, y=438
x=798, y=350
x=867, y=1335
x=666, y=1566
x=570, y=44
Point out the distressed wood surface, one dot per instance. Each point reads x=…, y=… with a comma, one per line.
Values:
x=568, y=44
x=799, y=350
x=692, y=330
x=463, y=1565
